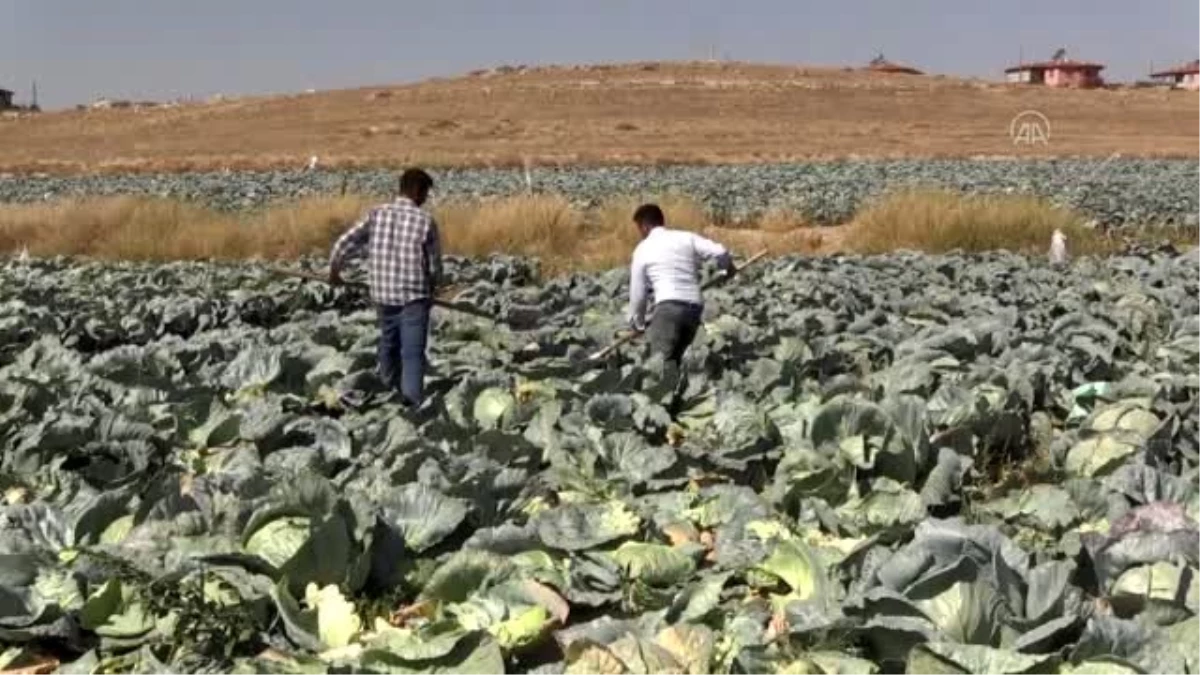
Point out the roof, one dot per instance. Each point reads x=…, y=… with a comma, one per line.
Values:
x=882, y=65
x=1060, y=64
x=1186, y=69
x=5, y=91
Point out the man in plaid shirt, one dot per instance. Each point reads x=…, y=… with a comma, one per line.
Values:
x=404, y=267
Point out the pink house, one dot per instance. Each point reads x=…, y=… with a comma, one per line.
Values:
x=1186, y=76
x=1057, y=72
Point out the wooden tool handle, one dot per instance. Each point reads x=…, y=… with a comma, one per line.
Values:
x=456, y=307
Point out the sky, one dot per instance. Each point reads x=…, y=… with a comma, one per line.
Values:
x=82, y=50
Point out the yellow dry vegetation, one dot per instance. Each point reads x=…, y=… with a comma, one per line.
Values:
x=631, y=113
x=937, y=221
x=550, y=227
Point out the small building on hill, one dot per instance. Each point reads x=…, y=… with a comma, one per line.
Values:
x=882, y=65
x=1186, y=76
x=6, y=99
x=1059, y=71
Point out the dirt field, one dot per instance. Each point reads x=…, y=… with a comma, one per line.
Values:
x=632, y=113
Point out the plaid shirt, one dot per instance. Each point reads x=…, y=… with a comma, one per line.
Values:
x=404, y=261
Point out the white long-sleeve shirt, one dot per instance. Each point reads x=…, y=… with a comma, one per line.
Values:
x=668, y=261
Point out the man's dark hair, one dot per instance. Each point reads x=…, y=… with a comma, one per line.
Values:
x=649, y=215
x=415, y=182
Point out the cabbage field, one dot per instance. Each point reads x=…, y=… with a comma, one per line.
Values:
x=977, y=464
x=1115, y=191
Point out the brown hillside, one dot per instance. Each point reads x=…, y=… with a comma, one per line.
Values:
x=630, y=113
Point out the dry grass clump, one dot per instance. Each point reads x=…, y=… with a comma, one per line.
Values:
x=565, y=237
x=110, y=227
x=536, y=225
x=292, y=229
x=781, y=220
x=938, y=221
x=615, y=215
x=808, y=241
x=136, y=228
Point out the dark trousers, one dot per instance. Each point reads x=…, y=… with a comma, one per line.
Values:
x=673, y=327
x=671, y=331
x=403, y=333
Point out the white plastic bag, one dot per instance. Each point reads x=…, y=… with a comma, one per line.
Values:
x=1058, y=248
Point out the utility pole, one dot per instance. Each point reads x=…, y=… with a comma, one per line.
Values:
x=33, y=104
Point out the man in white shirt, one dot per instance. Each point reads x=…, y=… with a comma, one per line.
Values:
x=667, y=262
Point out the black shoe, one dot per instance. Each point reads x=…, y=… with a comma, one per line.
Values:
x=426, y=411
x=392, y=397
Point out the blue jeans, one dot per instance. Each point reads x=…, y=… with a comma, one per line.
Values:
x=403, y=331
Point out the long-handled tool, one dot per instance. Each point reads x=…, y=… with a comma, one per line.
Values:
x=712, y=282
x=453, y=306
